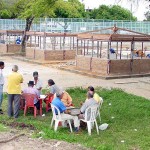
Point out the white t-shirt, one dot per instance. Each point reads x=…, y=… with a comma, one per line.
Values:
x=1, y=77
x=38, y=85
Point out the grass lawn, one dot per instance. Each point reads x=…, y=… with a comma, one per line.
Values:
x=128, y=117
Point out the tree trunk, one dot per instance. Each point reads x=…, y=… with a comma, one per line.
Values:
x=27, y=28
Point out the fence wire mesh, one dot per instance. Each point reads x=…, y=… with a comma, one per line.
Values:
x=73, y=25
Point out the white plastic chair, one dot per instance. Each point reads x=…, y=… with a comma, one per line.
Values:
x=57, y=118
x=90, y=117
x=99, y=108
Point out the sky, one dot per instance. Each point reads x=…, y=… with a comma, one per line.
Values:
x=137, y=11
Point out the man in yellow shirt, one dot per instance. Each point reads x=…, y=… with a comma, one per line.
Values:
x=14, y=91
x=96, y=96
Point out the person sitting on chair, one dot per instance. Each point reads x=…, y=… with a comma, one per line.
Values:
x=52, y=92
x=53, y=87
x=31, y=90
x=63, y=110
x=95, y=96
x=37, y=82
x=66, y=99
x=88, y=102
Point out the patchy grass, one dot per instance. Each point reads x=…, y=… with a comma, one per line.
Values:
x=2, y=128
x=128, y=117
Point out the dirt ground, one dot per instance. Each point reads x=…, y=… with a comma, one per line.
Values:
x=25, y=142
x=138, y=86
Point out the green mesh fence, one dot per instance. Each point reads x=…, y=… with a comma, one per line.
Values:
x=73, y=25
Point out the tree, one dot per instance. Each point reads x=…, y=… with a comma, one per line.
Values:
x=137, y=3
x=147, y=15
x=30, y=9
x=114, y=12
x=5, y=14
x=5, y=10
x=69, y=9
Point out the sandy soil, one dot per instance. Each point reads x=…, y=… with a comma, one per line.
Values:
x=138, y=86
x=25, y=142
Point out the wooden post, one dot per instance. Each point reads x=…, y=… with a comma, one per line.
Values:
x=81, y=47
x=120, y=49
x=9, y=39
x=77, y=47
x=73, y=43
x=84, y=47
x=92, y=45
x=60, y=43
x=108, y=57
x=70, y=42
x=142, y=49
x=97, y=49
x=40, y=42
x=87, y=47
x=44, y=41
x=101, y=49
x=117, y=50
x=132, y=48
x=30, y=40
x=35, y=42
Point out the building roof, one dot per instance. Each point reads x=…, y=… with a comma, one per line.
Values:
x=115, y=34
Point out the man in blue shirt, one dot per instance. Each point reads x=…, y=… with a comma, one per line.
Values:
x=63, y=110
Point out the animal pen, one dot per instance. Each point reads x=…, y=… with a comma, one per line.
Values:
x=40, y=45
x=113, y=52
x=51, y=46
x=8, y=41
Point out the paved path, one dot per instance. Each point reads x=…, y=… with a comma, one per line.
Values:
x=138, y=86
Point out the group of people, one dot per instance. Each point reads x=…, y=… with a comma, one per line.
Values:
x=92, y=99
x=14, y=91
x=61, y=99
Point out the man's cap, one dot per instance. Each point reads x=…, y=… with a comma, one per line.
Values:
x=31, y=82
x=35, y=74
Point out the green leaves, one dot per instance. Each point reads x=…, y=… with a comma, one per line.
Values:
x=114, y=12
x=70, y=9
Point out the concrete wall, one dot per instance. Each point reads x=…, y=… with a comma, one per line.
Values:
x=30, y=52
x=83, y=63
x=113, y=67
x=99, y=65
x=13, y=48
x=50, y=54
x=3, y=48
x=88, y=63
x=9, y=48
x=137, y=66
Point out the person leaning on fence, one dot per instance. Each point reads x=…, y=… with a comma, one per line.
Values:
x=63, y=110
x=14, y=91
x=1, y=85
